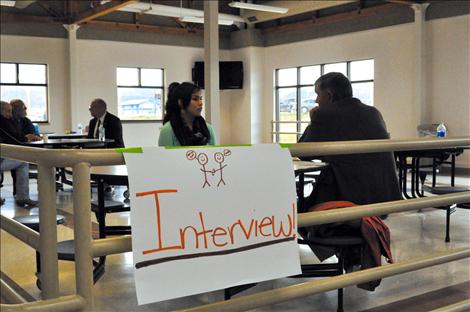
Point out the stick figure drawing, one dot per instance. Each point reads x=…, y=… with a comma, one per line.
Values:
x=203, y=159
x=220, y=158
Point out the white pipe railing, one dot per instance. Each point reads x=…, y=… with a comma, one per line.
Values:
x=279, y=295
x=86, y=248
x=461, y=306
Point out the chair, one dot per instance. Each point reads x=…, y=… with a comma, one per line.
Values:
x=343, y=246
x=110, y=206
x=450, y=209
x=66, y=251
x=32, y=221
x=421, y=172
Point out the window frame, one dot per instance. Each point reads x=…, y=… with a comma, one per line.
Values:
x=17, y=83
x=299, y=86
x=140, y=86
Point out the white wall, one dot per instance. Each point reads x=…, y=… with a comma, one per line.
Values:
x=449, y=76
x=48, y=51
x=246, y=110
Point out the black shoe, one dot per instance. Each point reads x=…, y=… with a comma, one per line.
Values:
x=383, y=217
x=27, y=203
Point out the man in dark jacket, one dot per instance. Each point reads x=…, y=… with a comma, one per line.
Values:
x=111, y=124
x=358, y=178
x=9, y=134
x=23, y=123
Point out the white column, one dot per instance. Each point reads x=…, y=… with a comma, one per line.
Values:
x=211, y=64
x=423, y=113
x=74, y=105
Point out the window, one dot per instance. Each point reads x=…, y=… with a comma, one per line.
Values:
x=140, y=93
x=295, y=94
x=27, y=82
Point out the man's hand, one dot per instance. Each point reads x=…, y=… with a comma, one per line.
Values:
x=32, y=137
x=312, y=111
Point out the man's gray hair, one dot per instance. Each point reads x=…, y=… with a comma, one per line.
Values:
x=336, y=84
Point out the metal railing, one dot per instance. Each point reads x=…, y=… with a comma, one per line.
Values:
x=86, y=248
x=275, y=123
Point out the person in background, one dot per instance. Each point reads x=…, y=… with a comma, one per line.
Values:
x=9, y=134
x=359, y=178
x=111, y=123
x=183, y=124
x=23, y=123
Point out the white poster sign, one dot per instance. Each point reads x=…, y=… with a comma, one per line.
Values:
x=209, y=218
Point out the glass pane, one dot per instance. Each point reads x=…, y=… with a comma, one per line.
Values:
x=287, y=77
x=335, y=67
x=307, y=102
x=140, y=103
x=288, y=112
x=309, y=74
x=151, y=77
x=288, y=138
x=8, y=73
x=287, y=103
x=127, y=76
x=35, y=99
x=29, y=73
x=364, y=91
x=362, y=70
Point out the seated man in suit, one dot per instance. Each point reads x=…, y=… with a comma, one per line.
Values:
x=9, y=134
x=111, y=124
x=358, y=178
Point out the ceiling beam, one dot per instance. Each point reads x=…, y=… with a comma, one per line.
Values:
x=295, y=7
x=406, y=2
x=49, y=10
x=15, y=18
x=104, y=9
x=336, y=18
x=142, y=27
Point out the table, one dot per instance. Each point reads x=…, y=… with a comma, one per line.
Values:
x=68, y=143
x=438, y=156
x=110, y=175
x=300, y=168
x=67, y=136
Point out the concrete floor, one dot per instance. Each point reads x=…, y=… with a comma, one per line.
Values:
x=414, y=234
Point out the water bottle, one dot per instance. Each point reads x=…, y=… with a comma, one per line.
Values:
x=441, y=130
x=36, y=128
x=101, y=134
x=80, y=128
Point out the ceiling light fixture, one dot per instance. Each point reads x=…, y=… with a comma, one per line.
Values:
x=258, y=7
x=7, y=3
x=200, y=20
x=178, y=12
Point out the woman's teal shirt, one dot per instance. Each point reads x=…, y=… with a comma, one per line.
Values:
x=168, y=138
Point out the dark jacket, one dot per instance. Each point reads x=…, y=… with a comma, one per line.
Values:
x=24, y=125
x=9, y=132
x=112, y=130
x=360, y=178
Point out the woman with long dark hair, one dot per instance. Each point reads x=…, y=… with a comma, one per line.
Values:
x=183, y=124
